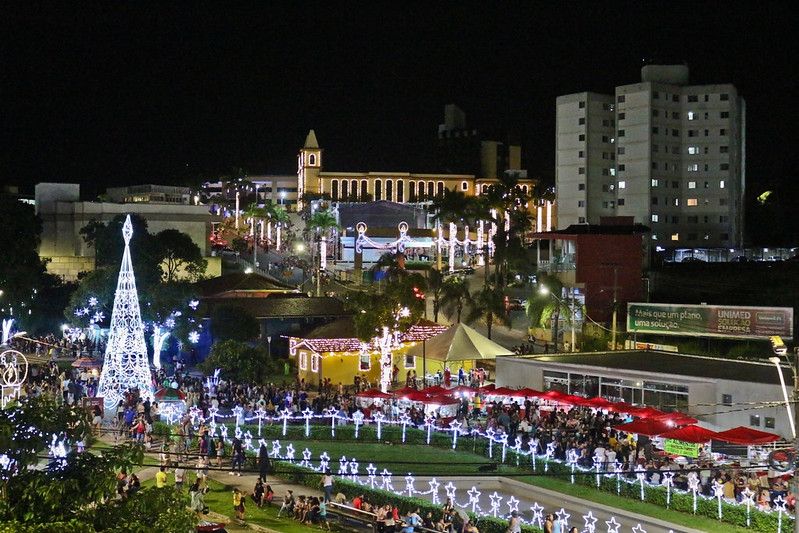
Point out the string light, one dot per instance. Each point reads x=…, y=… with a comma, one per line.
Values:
x=126, y=366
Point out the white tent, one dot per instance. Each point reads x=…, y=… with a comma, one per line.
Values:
x=458, y=343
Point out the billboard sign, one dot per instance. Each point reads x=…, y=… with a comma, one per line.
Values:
x=710, y=320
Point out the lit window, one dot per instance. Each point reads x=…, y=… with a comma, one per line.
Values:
x=675, y=236
x=303, y=361
x=721, y=184
x=692, y=185
x=622, y=185
x=654, y=236
x=692, y=202
x=691, y=115
x=693, y=150
x=677, y=202
x=693, y=168
x=365, y=362
x=654, y=218
x=654, y=183
x=612, y=171
x=315, y=362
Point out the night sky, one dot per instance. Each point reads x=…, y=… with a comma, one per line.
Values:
x=122, y=93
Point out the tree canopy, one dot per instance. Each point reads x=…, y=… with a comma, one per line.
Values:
x=238, y=361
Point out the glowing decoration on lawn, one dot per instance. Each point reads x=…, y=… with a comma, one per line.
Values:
x=639, y=529
x=285, y=414
x=618, y=469
x=747, y=498
x=194, y=337
x=357, y=419
x=404, y=420
x=474, y=497
x=290, y=453
x=513, y=504
x=342, y=465
x=306, y=458
x=455, y=425
x=379, y=418
x=538, y=514
x=260, y=414
x=434, y=490
x=13, y=371
x=158, y=344
x=613, y=526
x=571, y=460
x=718, y=493
x=563, y=518
x=370, y=471
x=409, y=485
x=779, y=504
x=496, y=500
x=385, y=480
x=238, y=414
x=354, y=470
x=599, y=461
x=332, y=412
x=640, y=473
x=668, y=481
x=324, y=461
x=693, y=486
x=490, y=435
x=126, y=365
x=548, y=456
x=276, y=448
x=307, y=415
x=590, y=522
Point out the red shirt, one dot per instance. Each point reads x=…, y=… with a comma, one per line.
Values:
x=356, y=502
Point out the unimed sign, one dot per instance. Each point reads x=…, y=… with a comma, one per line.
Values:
x=710, y=320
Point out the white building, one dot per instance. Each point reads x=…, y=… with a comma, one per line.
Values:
x=669, y=154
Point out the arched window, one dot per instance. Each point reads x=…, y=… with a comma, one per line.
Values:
x=378, y=189
x=431, y=190
x=440, y=191
x=400, y=191
x=420, y=191
x=354, y=189
x=312, y=159
x=389, y=190
x=334, y=190
x=344, y=192
x=364, y=189
x=412, y=191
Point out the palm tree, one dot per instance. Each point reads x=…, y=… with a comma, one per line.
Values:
x=389, y=262
x=454, y=296
x=488, y=306
x=282, y=220
x=319, y=224
x=435, y=285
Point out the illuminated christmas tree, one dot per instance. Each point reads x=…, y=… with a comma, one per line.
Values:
x=126, y=366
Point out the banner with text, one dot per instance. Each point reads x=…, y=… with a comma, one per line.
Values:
x=710, y=320
x=677, y=447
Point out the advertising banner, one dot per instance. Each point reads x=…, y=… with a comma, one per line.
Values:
x=710, y=320
x=677, y=447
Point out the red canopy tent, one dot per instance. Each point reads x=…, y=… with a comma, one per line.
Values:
x=487, y=388
x=373, y=393
x=436, y=389
x=169, y=393
x=461, y=389
x=502, y=391
x=645, y=426
x=441, y=399
x=648, y=412
x=747, y=436
x=677, y=419
x=695, y=434
x=599, y=403
x=623, y=407
x=403, y=391
x=554, y=396
x=527, y=393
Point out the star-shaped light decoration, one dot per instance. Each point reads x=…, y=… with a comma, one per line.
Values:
x=474, y=497
x=404, y=419
x=613, y=526
x=276, y=446
x=306, y=458
x=354, y=469
x=385, y=480
x=590, y=522
x=434, y=490
x=538, y=513
x=370, y=472
x=513, y=504
x=780, y=503
x=409, y=479
x=450, y=488
x=718, y=489
x=324, y=460
x=456, y=426
x=551, y=450
x=93, y=301
x=693, y=482
x=357, y=418
x=496, y=499
x=563, y=517
x=194, y=337
x=169, y=322
x=747, y=497
x=290, y=452
x=307, y=414
x=639, y=529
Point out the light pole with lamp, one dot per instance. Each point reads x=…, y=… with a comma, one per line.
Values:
x=793, y=417
x=560, y=302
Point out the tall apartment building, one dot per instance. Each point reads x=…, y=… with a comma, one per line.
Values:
x=669, y=154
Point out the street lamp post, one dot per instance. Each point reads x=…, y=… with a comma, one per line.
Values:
x=793, y=417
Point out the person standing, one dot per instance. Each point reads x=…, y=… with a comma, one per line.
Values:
x=238, y=504
x=264, y=464
x=180, y=473
x=515, y=523
x=160, y=478
x=327, y=484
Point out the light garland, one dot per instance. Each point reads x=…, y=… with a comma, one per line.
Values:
x=126, y=365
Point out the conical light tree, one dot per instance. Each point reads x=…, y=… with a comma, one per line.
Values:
x=126, y=366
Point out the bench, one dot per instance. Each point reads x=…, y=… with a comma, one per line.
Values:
x=347, y=513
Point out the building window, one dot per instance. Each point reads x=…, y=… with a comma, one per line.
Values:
x=315, y=357
x=581, y=170
x=655, y=183
x=655, y=113
x=768, y=422
x=675, y=184
x=581, y=186
x=693, y=133
x=724, y=166
x=389, y=190
x=693, y=220
x=621, y=133
x=622, y=150
x=654, y=200
x=622, y=185
x=581, y=105
x=675, y=115
x=693, y=98
x=675, y=236
x=581, y=121
x=581, y=137
x=620, y=99
x=655, y=95
x=303, y=362
x=754, y=420
x=723, y=132
x=707, y=133
x=675, y=133
x=581, y=203
x=691, y=115
x=431, y=190
x=344, y=191
x=723, y=219
x=693, y=168
x=401, y=190
x=410, y=361
x=655, y=165
x=691, y=202
x=334, y=190
x=581, y=220
x=608, y=188
x=692, y=185
x=655, y=130
x=721, y=184
x=613, y=171
x=581, y=153
x=605, y=172
x=707, y=185
x=724, y=97
x=724, y=236
x=675, y=220
x=725, y=114
x=724, y=149
x=677, y=203
x=365, y=362
x=654, y=218
x=621, y=116
x=622, y=168
x=722, y=201
x=621, y=201
x=693, y=150
x=378, y=189
x=691, y=236
x=312, y=159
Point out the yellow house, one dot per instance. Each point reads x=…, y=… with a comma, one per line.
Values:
x=334, y=352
